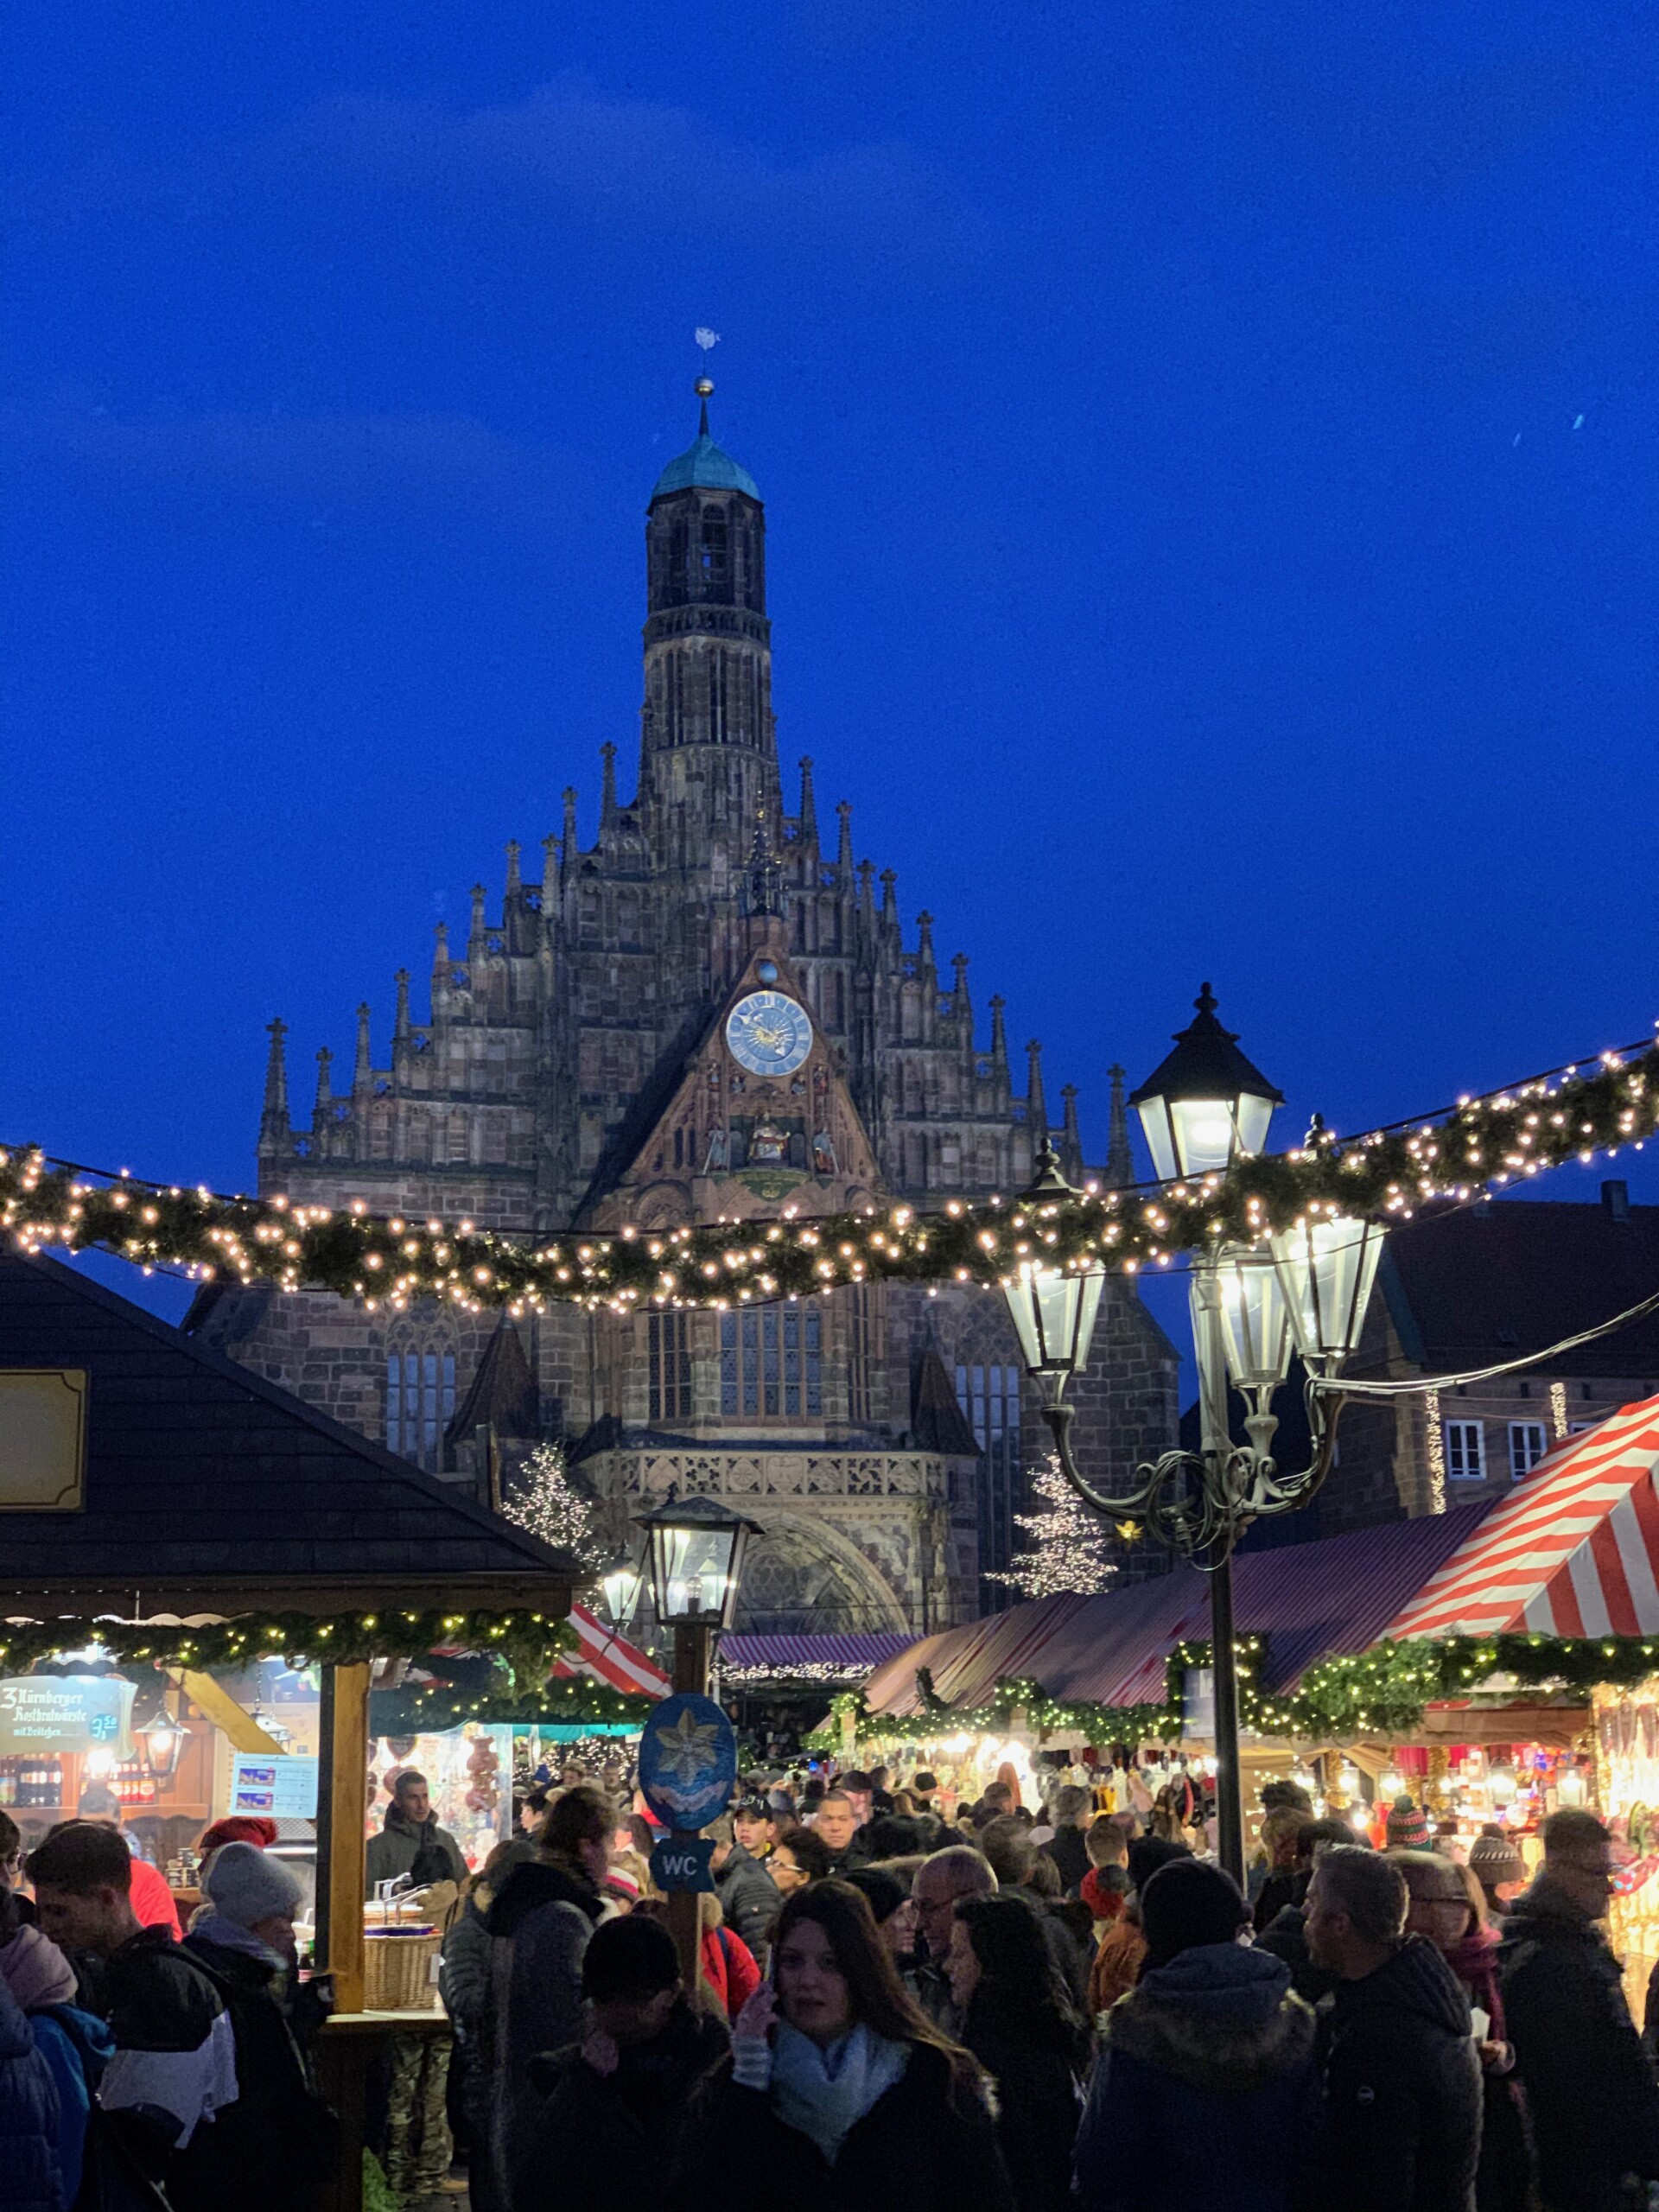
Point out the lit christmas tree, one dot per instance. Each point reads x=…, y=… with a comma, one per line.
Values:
x=1067, y=1550
x=545, y=1501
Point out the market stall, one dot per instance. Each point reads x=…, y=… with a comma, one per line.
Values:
x=213, y=1544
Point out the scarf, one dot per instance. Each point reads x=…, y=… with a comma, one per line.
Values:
x=211, y=1924
x=35, y=1971
x=824, y=2093
x=1474, y=1962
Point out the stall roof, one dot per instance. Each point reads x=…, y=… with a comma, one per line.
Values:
x=208, y=1488
x=1309, y=1601
x=856, y=1654
x=1573, y=1551
x=605, y=1655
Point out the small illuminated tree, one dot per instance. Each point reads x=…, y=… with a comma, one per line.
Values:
x=545, y=1501
x=1067, y=1549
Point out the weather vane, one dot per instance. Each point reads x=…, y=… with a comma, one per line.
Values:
x=708, y=339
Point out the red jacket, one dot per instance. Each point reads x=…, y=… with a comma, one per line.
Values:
x=729, y=1969
x=152, y=1901
x=1103, y=1901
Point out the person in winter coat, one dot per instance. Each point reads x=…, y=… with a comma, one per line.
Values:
x=1207, y=2085
x=609, y=2126
x=172, y=2071
x=1019, y=2022
x=30, y=2177
x=1120, y=1951
x=1285, y=1936
x=1403, y=2092
x=74, y=2043
x=1067, y=1846
x=270, y=2149
x=1284, y=1878
x=1448, y=1907
x=1106, y=1884
x=539, y=1925
x=839, y=2092
x=748, y=1896
x=1592, y=2101
x=411, y=1841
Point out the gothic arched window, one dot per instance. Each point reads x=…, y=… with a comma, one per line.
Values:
x=420, y=1399
x=772, y=1362
x=713, y=554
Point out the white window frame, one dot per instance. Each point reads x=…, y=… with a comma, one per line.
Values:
x=1529, y=1429
x=1456, y=1437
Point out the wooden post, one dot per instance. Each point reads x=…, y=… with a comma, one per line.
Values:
x=693, y=1648
x=341, y=1806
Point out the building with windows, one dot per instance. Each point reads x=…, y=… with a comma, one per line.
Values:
x=1466, y=1289
x=707, y=1011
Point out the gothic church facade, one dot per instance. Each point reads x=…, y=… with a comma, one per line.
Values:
x=709, y=1012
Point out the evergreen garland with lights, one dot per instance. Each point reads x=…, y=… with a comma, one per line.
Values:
x=524, y=1643
x=1067, y=1553
x=1383, y=1175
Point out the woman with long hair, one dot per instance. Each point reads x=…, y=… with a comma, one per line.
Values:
x=1019, y=2020
x=839, y=2090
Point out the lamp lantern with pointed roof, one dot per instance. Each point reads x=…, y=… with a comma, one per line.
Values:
x=695, y=1551
x=1205, y=1105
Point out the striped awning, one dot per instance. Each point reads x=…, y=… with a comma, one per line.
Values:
x=1575, y=1551
x=610, y=1658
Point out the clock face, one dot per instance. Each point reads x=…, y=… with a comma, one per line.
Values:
x=768, y=1033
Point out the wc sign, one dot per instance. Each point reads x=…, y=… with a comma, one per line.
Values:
x=681, y=1863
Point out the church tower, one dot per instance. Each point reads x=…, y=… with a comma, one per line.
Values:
x=709, y=754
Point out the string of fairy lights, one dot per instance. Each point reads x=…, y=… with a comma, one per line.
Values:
x=1503, y=1137
x=1380, y=1693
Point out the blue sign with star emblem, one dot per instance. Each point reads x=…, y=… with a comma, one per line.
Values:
x=688, y=1762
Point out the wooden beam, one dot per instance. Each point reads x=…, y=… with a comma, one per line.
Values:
x=342, y=1806
x=221, y=1708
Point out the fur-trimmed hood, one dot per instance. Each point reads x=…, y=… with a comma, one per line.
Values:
x=1220, y=2017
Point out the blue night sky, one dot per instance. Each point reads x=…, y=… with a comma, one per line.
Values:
x=1210, y=461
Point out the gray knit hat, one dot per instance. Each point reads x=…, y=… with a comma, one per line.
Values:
x=246, y=1885
x=1494, y=1859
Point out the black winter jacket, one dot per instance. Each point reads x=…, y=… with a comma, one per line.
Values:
x=1036, y=2075
x=911, y=2148
x=748, y=1897
x=1402, y=2089
x=1594, y=2103
x=607, y=2139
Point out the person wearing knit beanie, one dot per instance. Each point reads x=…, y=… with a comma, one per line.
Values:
x=1407, y=1828
x=1497, y=1866
x=1187, y=1903
x=251, y=1897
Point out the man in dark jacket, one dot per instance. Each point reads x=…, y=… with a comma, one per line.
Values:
x=837, y=1828
x=1072, y=1810
x=174, y=2061
x=1594, y=2103
x=411, y=1842
x=1402, y=2088
x=616, y=2102
x=748, y=1896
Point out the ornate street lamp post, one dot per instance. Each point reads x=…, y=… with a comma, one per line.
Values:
x=1203, y=1109
x=694, y=1557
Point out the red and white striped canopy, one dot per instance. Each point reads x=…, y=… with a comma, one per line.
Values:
x=1573, y=1552
x=610, y=1658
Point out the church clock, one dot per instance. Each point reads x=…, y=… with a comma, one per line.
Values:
x=768, y=1033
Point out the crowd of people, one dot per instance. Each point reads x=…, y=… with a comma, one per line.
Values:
x=1019, y=2008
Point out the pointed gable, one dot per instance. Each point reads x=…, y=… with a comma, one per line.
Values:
x=758, y=1119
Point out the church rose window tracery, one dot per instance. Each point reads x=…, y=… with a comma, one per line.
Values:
x=772, y=1364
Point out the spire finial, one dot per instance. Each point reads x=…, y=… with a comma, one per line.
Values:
x=1036, y=1104
x=515, y=881
x=1120, y=1159
x=999, y=1032
x=764, y=885
x=568, y=854
x=809, y=822
x=400, y=1024
x=844, y=847
x=607, y=788
x=1071, y=1138
x=325, y=1084
x=704, y=388
x=274, y=1128
x=363, y=1068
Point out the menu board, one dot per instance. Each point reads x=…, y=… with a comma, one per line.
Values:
x=65, y=1713
x=276, y=1786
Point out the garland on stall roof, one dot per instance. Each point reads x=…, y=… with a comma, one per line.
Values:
x=1384, y=1175
x=1380, y=1693
x=827, y=1736
x=525, y=1644
x=567, y=1701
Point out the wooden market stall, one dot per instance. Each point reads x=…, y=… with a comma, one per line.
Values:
x=145, y=1478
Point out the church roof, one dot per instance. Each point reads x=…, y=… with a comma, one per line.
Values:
x=704, y=462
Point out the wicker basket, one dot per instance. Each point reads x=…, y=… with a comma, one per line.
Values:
x=398, y=1969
